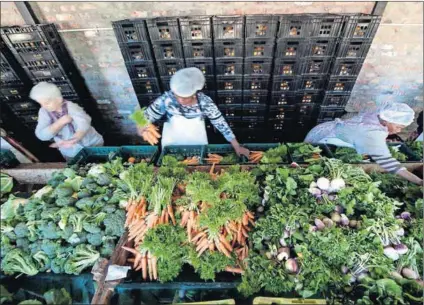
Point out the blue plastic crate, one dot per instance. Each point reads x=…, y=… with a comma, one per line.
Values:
x=142, y=152
x=184, y=150
x=222, y=150
x=96, y=155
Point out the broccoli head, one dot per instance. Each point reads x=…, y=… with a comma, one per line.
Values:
x=95, y=239
x=114, y=223
x=50, y=247
x=91, y=227
x=82, y=257
x=64, y=214
x=63, y=191
x=109, y=208
x=33, y=208
x=56, y=179
x=67, y=232
x=66, y=201
x=5, y=246
x=107, y=248
x=49, y=230
x=22, y=243
x=76, y=220
x=83, y=194
x=50, y=213
x=17, y=261
x=103, y=179
x=57, y=263
x=35, y=247
x=21, y=230
x=85, y=204
x=42, y=261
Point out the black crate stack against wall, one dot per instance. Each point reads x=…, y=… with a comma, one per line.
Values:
x=228, y=44
x=353, y=45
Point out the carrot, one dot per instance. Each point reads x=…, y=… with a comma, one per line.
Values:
x=243, y=231
x=250, y=215
x=204, y=243
x=222, y=249
x=212, y=247
x=239, y=234
x=144, y=266
x=149, y=263
x=234, y=270
x=155, y=269
x=225, y=243
x=133, y=251
x=171, y=214
x=245, y=220
x=154, y=132
x=198, y=236
x=189, y=223
x=131, y=260
x=184, y=218
x=252, y=222
x=203, y=249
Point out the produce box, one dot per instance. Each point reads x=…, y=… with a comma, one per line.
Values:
x=8, y=159
x=400, y=151
x=95, y=155
x=259, y=147
x=224, y=150
x=346, y=154
x=304, y=152
x=287, y=301
x=140, y=153
x=182, y=152
x=416, y=148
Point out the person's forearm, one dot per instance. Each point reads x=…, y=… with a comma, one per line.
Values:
x=235, y=143
x=57, y=126
x=410, y=176
x=79, y=135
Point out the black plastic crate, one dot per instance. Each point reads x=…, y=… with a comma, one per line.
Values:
x=25, y=112
x=228, y=48
x=353, y=48
x=211, y=94
x=29, y=119
x=204, y=65
x=13, y=92
x=290, y=48
x=361, y=26
x=255, y=83
x=141, y=69
x=257, y=66
x=309, y=109
x=228, y=27
x=198, y=49
x=130, y=30
x=234, y=122
x=146, y=86
x=255, y=47
x=18, y=37
x=231, y=111
x=261, y=26
x=195, y=27
x=163, y=28
x=23, y=106
x=320, y=47
x=286, y=67
x=283, y=98
x=340, y=84
x=253, y=122
x=147, y=99
x=311, y=83
x=171, y=49
x=229, y=82
x=234, y=97
x=254, y=110
x=335, y=100
x=300, y=26
x=210, y=84
x=7, y=73
x=283, y=83
x=315, y=66
x=138, y=51
x=347, y=67
x=64, y=86
x=280, y=113
x=309, y=98
x=170, y=66
x=257, y=135
x=41, y=69
x=304, y=123
x=255, y=97
x=229, y=66
x=330, y=113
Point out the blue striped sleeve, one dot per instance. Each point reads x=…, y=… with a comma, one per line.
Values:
x=156, y=109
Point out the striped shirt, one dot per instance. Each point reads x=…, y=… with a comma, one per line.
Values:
x=168, y=105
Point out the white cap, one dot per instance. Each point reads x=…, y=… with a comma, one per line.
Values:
x=397, y=113
x=186, y=82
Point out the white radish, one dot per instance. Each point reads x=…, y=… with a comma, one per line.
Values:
x=409, y=274
x=315, y=191
x=323, y=183
x=337, y=184
x=313, y=185
x=391, y=253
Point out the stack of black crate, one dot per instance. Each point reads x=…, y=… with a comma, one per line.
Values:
x=260, y=33
x=228, y=37
x=42, y=54
x=305, y=48
x=353, y=47
x=196, y=33
x=166, y=40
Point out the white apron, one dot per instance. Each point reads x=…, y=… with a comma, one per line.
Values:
x=182, y=131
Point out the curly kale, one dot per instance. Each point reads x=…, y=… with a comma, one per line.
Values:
x=63, y=191
x=85, y=204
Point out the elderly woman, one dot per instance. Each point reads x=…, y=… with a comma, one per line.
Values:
x=367, y=134
x=186, y=109
x=62, y=121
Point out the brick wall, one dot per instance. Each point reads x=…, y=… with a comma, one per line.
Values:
x=392, y=71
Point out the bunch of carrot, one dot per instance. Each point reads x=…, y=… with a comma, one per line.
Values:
x=255, y=156
x=213, y=159
x=151, y=134
x=145, y=262
x=191, y=160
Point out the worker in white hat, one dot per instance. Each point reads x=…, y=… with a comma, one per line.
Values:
x=367, y=133
x=186, y=108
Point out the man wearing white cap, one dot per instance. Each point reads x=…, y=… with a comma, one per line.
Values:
x=367, y=133
x=185, y=109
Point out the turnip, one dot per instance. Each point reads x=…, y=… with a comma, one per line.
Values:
x=284, y=254
x=315, y=191
x=320, y=225
x=291, y=265
x=401, y=249
x=283, y=242
x=286, y=234
x=391, y=253
x=338, y=209
x=409, y=274
x=323, y=183
x=400, y=232
x=332, y=197
x=353, y=223
x=396, y=275
x=336, y=217
x=328, y=222
x=344, y=221
x=313, y=185
x=345, y=270
x=313, y=229
x=260, y=209
x=405, y=215
x=337, y=184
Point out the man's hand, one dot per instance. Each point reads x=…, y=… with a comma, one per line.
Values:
x=66, y=119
